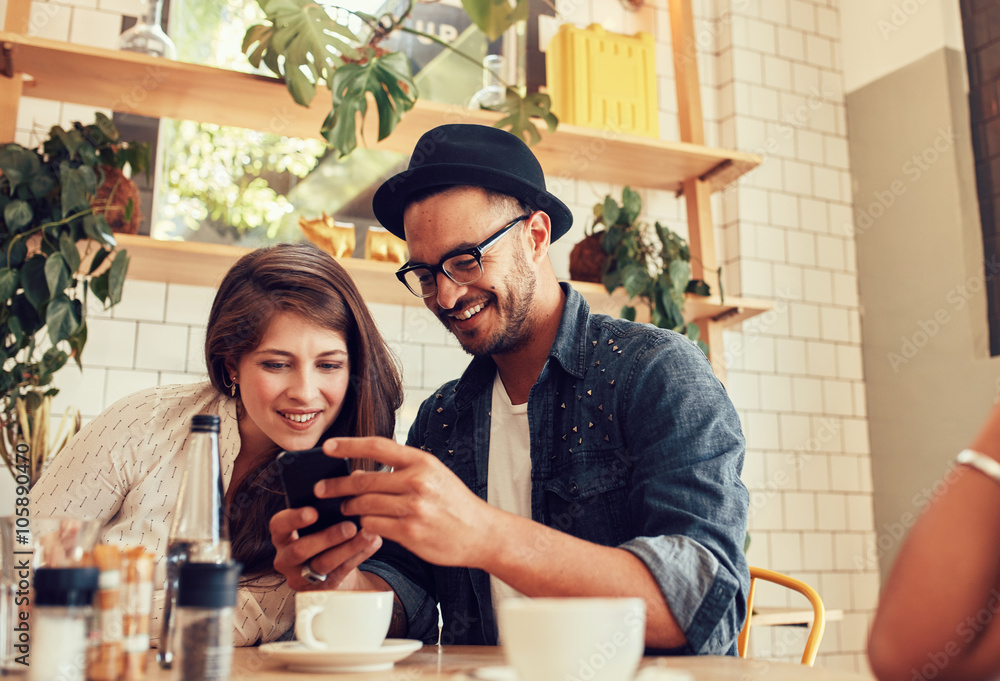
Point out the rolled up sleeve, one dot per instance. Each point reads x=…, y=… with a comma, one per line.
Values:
x=687, y=502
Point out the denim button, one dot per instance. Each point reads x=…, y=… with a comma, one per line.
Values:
x=573, y=487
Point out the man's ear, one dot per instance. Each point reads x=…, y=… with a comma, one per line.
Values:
x=539, y=231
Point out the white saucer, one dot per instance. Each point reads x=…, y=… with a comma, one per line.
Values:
x=302, y=659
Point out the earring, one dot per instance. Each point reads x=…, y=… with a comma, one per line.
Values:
x=231, y=386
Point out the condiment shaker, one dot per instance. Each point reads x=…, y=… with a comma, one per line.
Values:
x=206, y=596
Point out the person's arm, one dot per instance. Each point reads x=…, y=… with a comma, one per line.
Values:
x=939, y=608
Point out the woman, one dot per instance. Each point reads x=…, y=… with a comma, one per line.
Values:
x=293, y=358
x=939, y=614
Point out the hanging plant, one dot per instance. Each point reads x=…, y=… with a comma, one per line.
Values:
x=57, y=248
x=307, y=47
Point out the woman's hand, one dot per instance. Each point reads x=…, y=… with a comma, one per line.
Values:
x=334, y=552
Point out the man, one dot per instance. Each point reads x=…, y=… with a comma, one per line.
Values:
x=578, y=455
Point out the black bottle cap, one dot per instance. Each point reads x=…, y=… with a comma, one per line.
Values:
x=65, y=586
x=203, y=422
x=208, y=585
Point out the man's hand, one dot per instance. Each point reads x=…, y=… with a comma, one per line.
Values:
x=334, y=552
x=421, y=504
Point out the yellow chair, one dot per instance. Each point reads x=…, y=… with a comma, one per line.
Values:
x=819, y=616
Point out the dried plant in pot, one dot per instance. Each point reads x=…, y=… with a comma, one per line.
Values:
x=58, y=249
x=651, y=262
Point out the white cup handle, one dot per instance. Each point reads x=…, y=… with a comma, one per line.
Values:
x=306, y=637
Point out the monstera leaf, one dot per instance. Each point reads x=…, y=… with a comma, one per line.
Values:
x=493, y=17
x=519, y=111
x=312, y=44
x=387, y=79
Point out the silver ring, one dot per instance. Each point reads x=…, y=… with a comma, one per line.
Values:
x=311, y=575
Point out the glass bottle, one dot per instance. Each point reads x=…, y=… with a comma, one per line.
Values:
x=206, y=596
x=199, y=533
x=493, y=92
x=61, y=616
x=148, y=36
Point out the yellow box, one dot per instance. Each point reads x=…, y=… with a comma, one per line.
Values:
x=603, y=80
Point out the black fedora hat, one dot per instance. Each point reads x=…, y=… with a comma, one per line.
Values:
x=474, y=155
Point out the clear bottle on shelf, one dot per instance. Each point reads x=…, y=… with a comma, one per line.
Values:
x=199, y=532
x=493, y=92
x=148, y=36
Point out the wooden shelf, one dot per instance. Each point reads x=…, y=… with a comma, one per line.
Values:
x=145, y=85
x=199, y=264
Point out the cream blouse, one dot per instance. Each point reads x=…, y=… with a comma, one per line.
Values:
x=125, y=468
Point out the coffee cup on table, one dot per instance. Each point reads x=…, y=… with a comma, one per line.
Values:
x=597, y=639
x=342, y=620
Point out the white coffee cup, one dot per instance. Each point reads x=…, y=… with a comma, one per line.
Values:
x=342, y=620
x=560, y=639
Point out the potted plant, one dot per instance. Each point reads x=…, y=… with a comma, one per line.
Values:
x=304, y=45
x=58, y=249
x=653, y=264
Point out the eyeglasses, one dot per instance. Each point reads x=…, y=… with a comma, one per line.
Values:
x=464, y=266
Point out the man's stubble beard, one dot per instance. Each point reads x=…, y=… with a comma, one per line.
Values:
x=516, y=325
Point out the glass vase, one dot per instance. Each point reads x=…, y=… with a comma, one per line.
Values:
x=493, y=92
x=148, y=36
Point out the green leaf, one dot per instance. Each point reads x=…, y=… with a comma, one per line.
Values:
x=26, y=314
x=36, y=287
x=98, y=259
x=493, y=17
x=41, y=184
x=78, y=340
x=17, y=215
x=632, y=203
x=69, y=252
x=57, y=274
x=387, y=79
x=611, y=212
x=636, y=279
x=628, y=312
x=8, y=285
x=106, y=126
x=97, y=228
x=14, y=325
x=52, y=361
x=312, y=44
x=78, y=185
x=116, y=278
x=18, y=252
x=61, y=319
x=680, y=274
x=18, y=164
x=693, y=332
x=520, y=111
x=99, y=286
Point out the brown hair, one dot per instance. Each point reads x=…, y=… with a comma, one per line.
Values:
x=301, y=279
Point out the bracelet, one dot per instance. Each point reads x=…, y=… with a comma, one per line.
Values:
x=982, y=463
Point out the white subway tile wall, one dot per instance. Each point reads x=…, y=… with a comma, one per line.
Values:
x=771, y=84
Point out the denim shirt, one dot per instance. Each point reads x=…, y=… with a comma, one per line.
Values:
x=634, y=444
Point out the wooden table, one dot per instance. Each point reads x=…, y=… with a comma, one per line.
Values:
x=449, y=663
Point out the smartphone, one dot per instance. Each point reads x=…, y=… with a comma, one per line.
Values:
x=300, y=471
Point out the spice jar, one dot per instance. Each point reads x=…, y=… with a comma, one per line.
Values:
x=206, y=595
x=61, y=619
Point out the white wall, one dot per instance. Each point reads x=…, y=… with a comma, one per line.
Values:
x=881, y=36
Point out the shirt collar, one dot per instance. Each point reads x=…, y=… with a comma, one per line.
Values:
x=569, y=349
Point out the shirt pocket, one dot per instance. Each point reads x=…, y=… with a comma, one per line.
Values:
x=589, y=500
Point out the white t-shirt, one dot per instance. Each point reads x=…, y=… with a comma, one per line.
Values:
x=508, y=481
